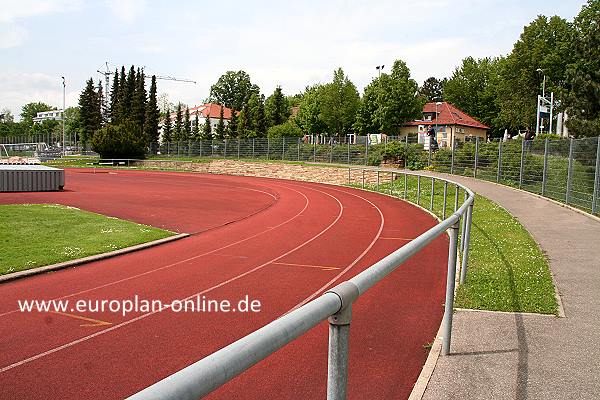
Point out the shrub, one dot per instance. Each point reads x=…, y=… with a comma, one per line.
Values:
x=287, y=129
x=120, y=141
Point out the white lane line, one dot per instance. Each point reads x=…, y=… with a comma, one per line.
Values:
x=178, y=262
x=143, y=316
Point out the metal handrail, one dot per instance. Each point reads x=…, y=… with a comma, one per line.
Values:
x=211, y=372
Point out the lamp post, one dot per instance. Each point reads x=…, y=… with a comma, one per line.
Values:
x=379, y=68
x=63, y=118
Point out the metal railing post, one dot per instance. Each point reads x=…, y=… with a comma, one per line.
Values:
x=224, y=148
x=331, y=151
x=212, y=147
x=339, y=339
x=596, y=179
x=464, y=227
x=314, y=150
x=432, y=194
x=545, y=171
x=476, y=157
x=450, y=282
x=465, y=254
x=200, y=148
x=238, y=148
x=569, y=173
x=452, y=156
x=499, y=173
x=455, y=198
x=298, y=143
x=283, y=149
x=522, y=163
x=445, y=200
x=268, y=148
x=418, y=190
x=392, y=183
x=367, y=150
x=406, y=153
x=253, y=153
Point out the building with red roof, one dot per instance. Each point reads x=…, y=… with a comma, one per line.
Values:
x=212, y=110
x=449, y=122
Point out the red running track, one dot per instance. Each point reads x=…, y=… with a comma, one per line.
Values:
x=279, y=242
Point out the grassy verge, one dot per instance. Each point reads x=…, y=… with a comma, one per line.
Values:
x=507, y=269
x=35, y=235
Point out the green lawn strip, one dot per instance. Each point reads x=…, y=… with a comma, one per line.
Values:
x=35, y=235
x=507, y=269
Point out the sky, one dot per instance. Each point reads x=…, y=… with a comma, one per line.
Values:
x=291, y=44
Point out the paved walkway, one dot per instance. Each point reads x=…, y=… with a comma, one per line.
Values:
x=520, y=356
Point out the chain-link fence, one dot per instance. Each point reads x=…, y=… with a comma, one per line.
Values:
x=565, y=170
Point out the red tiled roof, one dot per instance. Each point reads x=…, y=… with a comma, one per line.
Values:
x=447, y=114
x=211, y=109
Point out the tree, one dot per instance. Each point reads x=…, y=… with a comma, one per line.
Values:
x=220, y=130
x=309, y=113
x=398, y=99
x=30, y=110
x=242, y=127
x=544, y=44
x=233, y=89
x=130, y=84
x=433, y=89
x=196, y=128
x=583, y=74
x=73, y=122
x=339, y=105
x=187, y=128
x=138, y=106
x=366, y=119
x=89, y=111
x=167, y=136
x=277, y=108
x=177, y=131
x=152, y=115
x=207, y=129
x=473, y=88
x=232, y=127
x=287, y=129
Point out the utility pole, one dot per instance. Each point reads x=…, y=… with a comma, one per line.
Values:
x=64, y=117
x=106, y=82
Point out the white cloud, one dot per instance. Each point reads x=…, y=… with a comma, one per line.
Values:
x=12, y=33
x=127, y=10
x=19, y=88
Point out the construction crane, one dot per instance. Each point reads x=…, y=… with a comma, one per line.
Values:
x=170, y=78
x=107, y=75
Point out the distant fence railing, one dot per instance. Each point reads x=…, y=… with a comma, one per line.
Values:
x=206, y=375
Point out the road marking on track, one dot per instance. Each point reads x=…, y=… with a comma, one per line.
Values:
x=323, y=267
x=91, y=321
x=143, y=316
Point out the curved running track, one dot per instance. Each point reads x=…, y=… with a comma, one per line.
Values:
x=280, y=242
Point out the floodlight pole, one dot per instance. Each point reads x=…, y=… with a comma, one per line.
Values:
x=63, y=117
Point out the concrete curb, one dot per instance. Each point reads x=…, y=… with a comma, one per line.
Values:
x=89, y=259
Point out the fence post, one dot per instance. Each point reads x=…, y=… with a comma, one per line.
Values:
x=569, y=173
x=253, y=155
x=392, y=183
x=406, y=154
x=339, y=335
x=283, y=149
x=449, y=305
x=314, y=149
x=212, y=147
x=348, y=151
x=331, y=151
x=225, y=148
x=200, y=148
x=465, y=255
x=452, y=158
x=366, y=149
x=238, y=145
x=298, y=143
x=499, y=173
x=545, y=172
x=522, y=163
x=596, y=178
x=268, y=148
x=476, y=157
